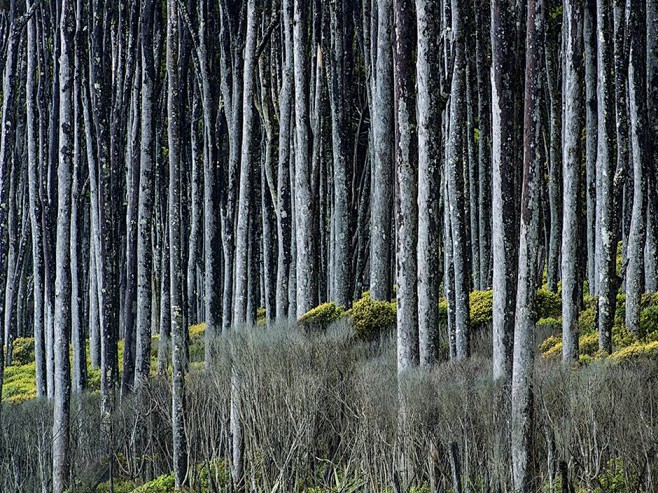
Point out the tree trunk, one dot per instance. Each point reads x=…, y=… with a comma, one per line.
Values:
x=430, y=107
x=175, y=254
x=503, y=36
x=637, y=71
x=406, y=209
x=524, y=331
x=306, y=265
x=572, y=190
x=382, y=186
x=62, y=395
x=605, y=240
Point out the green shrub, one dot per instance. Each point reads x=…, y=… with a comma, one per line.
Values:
x=547, y=304
x=261, y=317
x=119, y=487
x=161, y=484
x=481, y=307
x=23, y=351
x=321, y=316
x=649, y=320
x=636, y=350
x=588, y=344
x=370, y=317
x=19, y=383
x=622, y=337
x=587, y=320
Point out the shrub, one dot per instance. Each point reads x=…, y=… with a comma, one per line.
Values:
x=370, y=317
x=261, y=317
x=23, y=351
x=587, y=320
x=622, y=337
x=161, y=484
x=19, y=383
x=636, y=350
x=547, y=304
x=588, y=344
x=321, y=316
x=649, y=320
x=549, y=343
x=481, y=307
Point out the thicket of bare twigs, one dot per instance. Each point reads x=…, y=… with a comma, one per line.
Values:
x=321, y=411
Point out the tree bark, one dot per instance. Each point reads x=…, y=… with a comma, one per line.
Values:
x=406, y=209
x=503, y=35
x=524, y=331
x=62, y=394
x=637, y=89
x=430, y=107
x=572, y=190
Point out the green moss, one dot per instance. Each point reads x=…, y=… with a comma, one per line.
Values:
x=23, y=351
x=321, y=316
x=370, y=317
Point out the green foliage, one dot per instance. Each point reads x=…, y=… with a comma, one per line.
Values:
x=161, y=484
x=613, y=478
x=370, y=317
x=587, y=320
x=649, y=320
x=547, y=304
x=23, y=351
x=321, y=316
x=622, y=337
x=19, y=383
x=636, y=350
x=119, y=487
x=261, y=317
x=197, y=342
x=481, y=307
x=550, y=322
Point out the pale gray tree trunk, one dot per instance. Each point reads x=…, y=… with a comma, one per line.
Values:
x=555, y=133
x=591, y=105
x=382, y=186
x=34, y=177
x=175, y=254
x=605, y=234
x=306, y=282
x=455, y=159
x=406, y=174
x=637, y=87
x=430, y=107
x=340, y=223
x=244, y=197
x=503, y=35
x=572, y=190
x=651, y=267
x=283, y=205
x=145, y=203
x=524, y=330
x=62, y=394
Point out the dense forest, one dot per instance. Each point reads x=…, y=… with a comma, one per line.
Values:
x=329, y=246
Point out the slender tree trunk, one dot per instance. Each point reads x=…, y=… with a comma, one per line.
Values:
x=145, y=203
x=382, y=186
x=591, y=112
x=572, y=190
x=524, y=347
x=244, y=202
x=430, y=107
x=605, y=241
x=651, y=267
x=35, y=208
x=306, y=282
x=637, y=87
x=175, y=254
x=503, y=35
x=455, y=159
x=62, y=395
x=407, y=188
